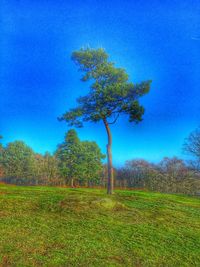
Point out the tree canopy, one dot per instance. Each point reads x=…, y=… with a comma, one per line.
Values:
x=111, y=93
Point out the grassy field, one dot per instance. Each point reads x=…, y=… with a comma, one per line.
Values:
x=46, y=226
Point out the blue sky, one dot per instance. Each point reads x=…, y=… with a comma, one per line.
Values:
x=157, y=40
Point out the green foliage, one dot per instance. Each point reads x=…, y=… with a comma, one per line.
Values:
x=111, y=93
x=48, y=226
x=91, y=162
x=71, y=138
x=79, y=161
x=18, y=161
x=19, y=164
x=69, y=155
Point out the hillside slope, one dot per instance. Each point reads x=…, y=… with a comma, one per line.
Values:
x=46, y=226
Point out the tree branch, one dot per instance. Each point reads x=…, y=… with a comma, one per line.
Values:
x=114, y=119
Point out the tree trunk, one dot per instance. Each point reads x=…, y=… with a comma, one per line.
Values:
x=109, y=158
x=72, y=182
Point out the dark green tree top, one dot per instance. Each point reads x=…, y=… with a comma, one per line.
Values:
x=111, y=93
x=71, y=138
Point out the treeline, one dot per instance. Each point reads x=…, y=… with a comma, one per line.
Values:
x=73, y=163
x=171, y=175
x=80, y=163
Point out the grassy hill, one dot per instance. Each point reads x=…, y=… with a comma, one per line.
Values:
x=46, y=226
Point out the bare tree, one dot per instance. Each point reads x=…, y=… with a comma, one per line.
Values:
x=192, y=144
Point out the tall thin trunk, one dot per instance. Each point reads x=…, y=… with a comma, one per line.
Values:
x=72, y=182
x=109, y=157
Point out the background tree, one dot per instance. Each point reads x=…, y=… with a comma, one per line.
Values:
x=91, y=162
x=192, y=143
x=1, y=158
x=18, y=161
x=111, y=94
x=20, y=165
x=50, y=169
x=38, y=169
x=136, y=173
x=79, y=161
x=192, y=147
x=46, y=170
x=172, y=173
x=69, y=155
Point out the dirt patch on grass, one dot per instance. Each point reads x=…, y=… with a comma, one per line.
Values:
x=107, y=204
x=84, y=204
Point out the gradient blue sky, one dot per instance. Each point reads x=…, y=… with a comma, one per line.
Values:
x=158, y=40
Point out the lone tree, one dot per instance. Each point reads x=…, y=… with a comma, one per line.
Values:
x=110, y=95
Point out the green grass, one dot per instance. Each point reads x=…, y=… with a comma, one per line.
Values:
x=46, y=226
